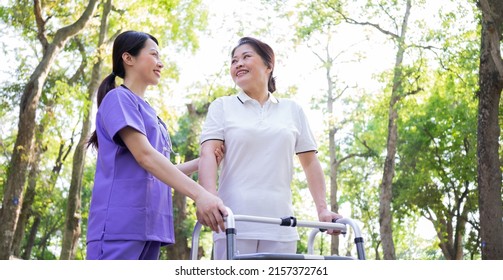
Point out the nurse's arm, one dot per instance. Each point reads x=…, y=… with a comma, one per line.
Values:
x=188, y=167
x=210, y=206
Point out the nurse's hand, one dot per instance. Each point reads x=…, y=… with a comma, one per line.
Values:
x=219, y=154
x=210, y=211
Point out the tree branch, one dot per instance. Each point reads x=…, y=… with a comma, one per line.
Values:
x=112, y=38
x=340, y=94
x=388, y=14
x=37, y=10
x=376, y=26
x=70, y=30
x=80, y=71
x=412, y=92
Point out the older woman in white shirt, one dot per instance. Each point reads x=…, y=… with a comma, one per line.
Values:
x=261, y=135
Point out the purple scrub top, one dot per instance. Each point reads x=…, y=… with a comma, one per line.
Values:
x=128, y=203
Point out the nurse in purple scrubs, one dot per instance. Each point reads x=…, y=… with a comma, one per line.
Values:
x=131, y=212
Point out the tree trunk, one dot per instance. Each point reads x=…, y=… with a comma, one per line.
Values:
x=386, y=189
x=71, y=232
x=450, y=224
x=52, y=225
x=451, y=241
x=385, y=194
x=16, y=177
x=328, y=63
x=378, y=255
x=33, y=177
x=26, y=210
x=180, y=250
x=334, y=205
x=30, y=242
x=488, y=131
x=334, y=164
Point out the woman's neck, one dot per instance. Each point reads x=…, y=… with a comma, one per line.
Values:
x=137, y=88
x=260, y=95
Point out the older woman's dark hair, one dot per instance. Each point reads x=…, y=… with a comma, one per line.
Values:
x=265, y=52
x=127, y=42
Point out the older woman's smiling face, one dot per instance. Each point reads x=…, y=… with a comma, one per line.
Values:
x=248, y=68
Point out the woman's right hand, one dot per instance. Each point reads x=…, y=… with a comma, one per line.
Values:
x=210, y=211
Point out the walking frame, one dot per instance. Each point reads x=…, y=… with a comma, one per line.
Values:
x=230, y=232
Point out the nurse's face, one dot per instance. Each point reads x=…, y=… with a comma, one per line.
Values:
x=248, y=68
x=148, y=64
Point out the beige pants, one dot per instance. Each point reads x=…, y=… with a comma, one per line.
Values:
x=250, y=246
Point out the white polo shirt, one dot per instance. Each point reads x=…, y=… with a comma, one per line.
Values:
x=260, y=142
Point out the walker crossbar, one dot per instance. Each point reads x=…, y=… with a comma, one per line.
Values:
x=230, y=224
x=280, y=222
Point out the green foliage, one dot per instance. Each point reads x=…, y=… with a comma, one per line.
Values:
x=436, y=159
x=20, y=16
x=437, y=164
x=358, y=178
x=360, y=196
x=171, y=21
x=317, y=16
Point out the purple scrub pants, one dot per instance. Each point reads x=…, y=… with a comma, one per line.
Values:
x=123, y=250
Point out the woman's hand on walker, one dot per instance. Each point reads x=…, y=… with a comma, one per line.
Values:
x=329, y=216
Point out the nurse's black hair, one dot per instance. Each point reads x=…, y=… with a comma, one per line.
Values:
x=265, y=52
x=131, y=42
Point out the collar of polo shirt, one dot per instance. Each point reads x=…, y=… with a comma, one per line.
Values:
x=243, y=97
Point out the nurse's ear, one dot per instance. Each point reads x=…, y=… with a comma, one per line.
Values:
x=128, y=59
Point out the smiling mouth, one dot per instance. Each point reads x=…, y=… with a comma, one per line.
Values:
x=241, y=73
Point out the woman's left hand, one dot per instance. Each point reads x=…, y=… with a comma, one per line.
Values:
x=328, y=216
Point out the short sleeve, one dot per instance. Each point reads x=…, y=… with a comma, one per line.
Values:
x=305, y=142
x=213, y=128
x=119, y=109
